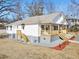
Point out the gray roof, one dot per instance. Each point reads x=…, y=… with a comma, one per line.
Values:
x=51, y=18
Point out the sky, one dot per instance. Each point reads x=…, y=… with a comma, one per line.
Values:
x=60, y=5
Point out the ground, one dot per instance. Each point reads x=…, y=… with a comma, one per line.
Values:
x=10, y=49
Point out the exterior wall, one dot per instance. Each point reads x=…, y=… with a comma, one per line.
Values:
x=12, y=36
x=50, y=41
x=31, y=30
x=55, y=32
x=2, y=31
x=46, y=41
x=33, y=39
x=64, y=31
x=13, y=31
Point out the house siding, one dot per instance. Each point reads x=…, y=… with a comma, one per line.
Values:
x=47, y=42
x=31, y=30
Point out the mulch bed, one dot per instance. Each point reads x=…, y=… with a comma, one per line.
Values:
x=63, y=45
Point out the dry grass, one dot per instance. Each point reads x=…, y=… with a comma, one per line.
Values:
x=13, y=50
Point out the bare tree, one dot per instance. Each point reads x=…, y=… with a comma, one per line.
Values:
x=8, y=7
x=35, y=8
x=74, y=8
x=5, y=7
x=38, y=7
x=50, y=6
x=18, y=10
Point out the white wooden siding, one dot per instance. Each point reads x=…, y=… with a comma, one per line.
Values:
x=31, y=30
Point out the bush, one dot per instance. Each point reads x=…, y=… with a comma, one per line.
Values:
x=74, y=28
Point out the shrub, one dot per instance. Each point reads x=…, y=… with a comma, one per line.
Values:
x=74, y=28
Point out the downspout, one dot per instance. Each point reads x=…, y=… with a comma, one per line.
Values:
x=59, y=29
x=50, y=32
x=39, y=31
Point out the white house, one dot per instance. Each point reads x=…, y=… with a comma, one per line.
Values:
x=39, y=30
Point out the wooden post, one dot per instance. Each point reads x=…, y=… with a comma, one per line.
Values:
x=66, y=28
x=50, y=30
x=58, y=28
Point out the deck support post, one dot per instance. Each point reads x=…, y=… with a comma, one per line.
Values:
x=50, y=29
x=58, y=28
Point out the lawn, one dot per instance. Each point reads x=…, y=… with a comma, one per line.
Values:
x=10, y=49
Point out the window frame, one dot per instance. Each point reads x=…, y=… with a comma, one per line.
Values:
x=10, y=27
x=23, y=26
x=45, y=27
x=6, y=27
x=55, y=27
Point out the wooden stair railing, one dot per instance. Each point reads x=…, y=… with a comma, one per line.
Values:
x=22, y=35
x=62, y=36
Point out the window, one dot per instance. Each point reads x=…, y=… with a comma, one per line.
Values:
x=35, y=41
x=13, y=35
x=23, y=26
x=64, y=27
x=42, y=27
x=47, y=27
x=2, y=26
x=44, y=38
x=6, y=27
x=38, y=39
x=17, y=26
x=55, y=27
x=10, y=27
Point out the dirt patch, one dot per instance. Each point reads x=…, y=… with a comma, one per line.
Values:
x=3, y=56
